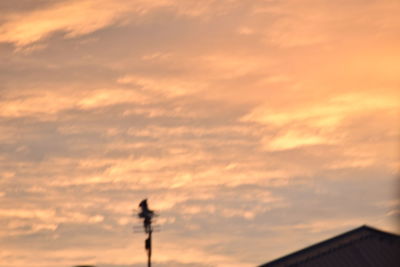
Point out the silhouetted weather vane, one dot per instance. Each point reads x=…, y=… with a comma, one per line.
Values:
x=147, y=215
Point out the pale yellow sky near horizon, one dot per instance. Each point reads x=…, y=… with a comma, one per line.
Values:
x=255, y=128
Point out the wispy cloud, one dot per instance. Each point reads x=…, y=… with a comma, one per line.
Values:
x=72, y=17
x=75, y=18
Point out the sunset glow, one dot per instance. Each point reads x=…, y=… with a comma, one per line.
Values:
x=254, y=128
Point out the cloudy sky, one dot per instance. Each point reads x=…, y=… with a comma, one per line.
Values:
x=254, y=127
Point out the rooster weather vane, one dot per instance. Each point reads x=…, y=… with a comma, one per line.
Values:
x=147, y=215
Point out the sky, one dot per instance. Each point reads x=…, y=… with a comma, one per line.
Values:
x=254, y=128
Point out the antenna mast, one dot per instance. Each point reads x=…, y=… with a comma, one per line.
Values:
x=147, y=215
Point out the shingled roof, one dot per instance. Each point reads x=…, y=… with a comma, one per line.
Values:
x=363, y=246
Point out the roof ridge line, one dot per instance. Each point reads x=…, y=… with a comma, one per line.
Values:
x=323, y=244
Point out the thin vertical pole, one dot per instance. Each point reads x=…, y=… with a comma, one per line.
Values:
x=147, y=215
x=149, y=251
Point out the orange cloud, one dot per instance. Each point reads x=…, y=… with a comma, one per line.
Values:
x=73, y=17
x=76, y=18
x=326, y=115
x=293, y=139
x=47, y=103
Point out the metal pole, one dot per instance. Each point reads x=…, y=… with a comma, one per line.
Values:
x=149, y=251
x=147, y=215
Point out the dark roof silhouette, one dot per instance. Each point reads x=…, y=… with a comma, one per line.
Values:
x=361, y=247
